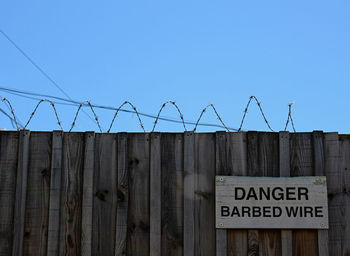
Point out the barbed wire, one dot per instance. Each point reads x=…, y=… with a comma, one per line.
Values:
x=12, y=111
x=261, y=111
x=290, y=117
x=210, y=105
x=157, y=118
x=93, y=111
x=36, y=108
x=178, y=110
x=134, y=108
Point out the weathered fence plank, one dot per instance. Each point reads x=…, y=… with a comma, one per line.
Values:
x=55, y=194
x=237, y=243
x=334, y=185
x=189, y=189
x=87, y=205
x=345, y=172
x=71, y=194
x=172, y=194
x=155, y=195
x=301, y=150
x=105, y=195
x=284, y=160
x=21, y=193
x=221, y=163
x=138, y=214
x=123, y=196
x=205, y=194
x=253, y=170
x=38, y=190
x=268, y=161
x=8, y=171
x=318, y=150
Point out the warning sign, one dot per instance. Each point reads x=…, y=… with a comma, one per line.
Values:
x=268, y=202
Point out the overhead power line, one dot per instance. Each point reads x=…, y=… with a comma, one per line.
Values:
x=38, y=67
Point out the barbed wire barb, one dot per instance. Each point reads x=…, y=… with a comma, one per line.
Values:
x=178, y=110
x=12, y=111
x=157, y=118
x=116, y=113
x=36, y=108
x=92, y=110
x=261, y=111
x=210, y=105
x=290, y=117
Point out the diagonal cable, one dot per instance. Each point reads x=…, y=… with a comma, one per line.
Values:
x=38, y=67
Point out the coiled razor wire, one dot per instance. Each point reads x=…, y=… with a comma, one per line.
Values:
x=92, y=110
x=134, y=108
x=36, y=108
x=88, y=103
x=178, y=110
x=290, y=117
x=212, y=106
x=12, y=111
x=261, y=111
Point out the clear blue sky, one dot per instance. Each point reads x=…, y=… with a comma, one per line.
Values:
x=192, y=52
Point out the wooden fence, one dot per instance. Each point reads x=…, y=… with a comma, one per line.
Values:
x=154, y=193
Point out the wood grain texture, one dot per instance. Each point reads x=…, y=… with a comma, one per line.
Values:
x=138, y=214
x=172, y=194
x=205, y=194
x=65, y=214
x=335, y=196
x=253, y=170
x=319, y=170
x=38, y=193
x=87, y=205
x=237, y=243
x=123, y=196
x=8, y=171
x=337, y=156
x=301, y=151
x=21, y=193
x=189, y=188
x=105, y=195
x=345, y=172
x=221, y=169
x=268, y=164
x=55, y=194
x=284, y=161
x=71, y=194
x=155, y=195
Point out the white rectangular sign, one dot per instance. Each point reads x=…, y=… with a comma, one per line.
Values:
x=268, y=202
